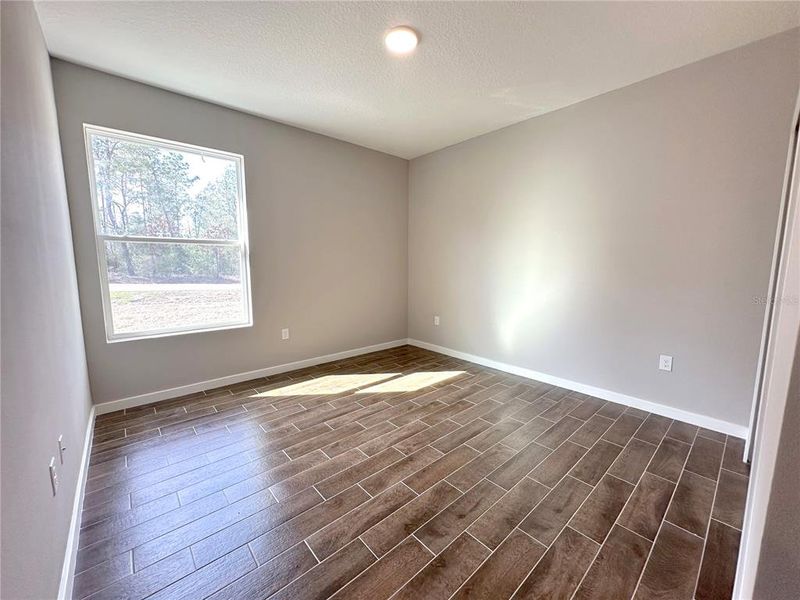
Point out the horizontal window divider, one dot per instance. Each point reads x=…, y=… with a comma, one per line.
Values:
x=140, y=239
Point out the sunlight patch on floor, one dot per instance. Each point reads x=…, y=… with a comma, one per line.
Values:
x=412, y=382
x=328, y=384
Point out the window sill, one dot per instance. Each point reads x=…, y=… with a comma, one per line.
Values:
x=136, y=337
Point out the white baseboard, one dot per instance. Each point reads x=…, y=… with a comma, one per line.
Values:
x=71, y=553
x=646, y=405
x=719, y=425
x=132, y=401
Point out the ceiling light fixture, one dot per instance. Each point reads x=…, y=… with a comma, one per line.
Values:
x=400, y=40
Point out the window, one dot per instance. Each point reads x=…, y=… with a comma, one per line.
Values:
x=171, y=232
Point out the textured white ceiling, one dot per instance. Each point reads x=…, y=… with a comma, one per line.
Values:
x=479, y=66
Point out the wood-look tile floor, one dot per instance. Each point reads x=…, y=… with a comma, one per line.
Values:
x=406, y=474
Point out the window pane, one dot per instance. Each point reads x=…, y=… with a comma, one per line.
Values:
x=173, y=286
x=142, y=189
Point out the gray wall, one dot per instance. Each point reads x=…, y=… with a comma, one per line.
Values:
x=586, y=242
x=45, y=385
x=328, y=236
x=778, y=575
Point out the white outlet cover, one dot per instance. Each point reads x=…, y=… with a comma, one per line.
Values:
x=284, y=334
x=436, y=320
x=665, y=362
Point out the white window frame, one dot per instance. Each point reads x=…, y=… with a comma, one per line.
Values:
x=100, y=238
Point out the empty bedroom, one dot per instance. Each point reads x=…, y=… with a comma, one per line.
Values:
x=400, y=300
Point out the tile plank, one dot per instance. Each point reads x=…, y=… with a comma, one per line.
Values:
x=672, y=568
x=399, y=470
x=527, y=433
x=182, y=537
x=690, y=508
x=381, y=443
x=344, y=479
x=683, y=432
x=269, y=577
x=518, y=466
x=550, y=516
x=615, y=571
x=388, y=574
x=647, y=505
x=150, y=580
x=653, y=429
x=496, y=523
x=731, y=497
x=591, y=468
x=268, y=545
x=100, y=576
x=560, y=570
x=343, y=530
x=597, y=515
x=504, y=570
x=632, y=461
x=623, y=429
x=553, y=468
x=448, y=524
x=308, y=477
x=329, y=576
x=732, y=457
x=475, y=470
x=461, y=435
x=216, y=545
x=403, y=522
x=591, y=431
x=494, y=434
x=210, y=578
x=445, y=573
x=588, y=407
x=718, y=570
x=669, y=459
x=612, y=410
x=425, y=437
x=557, y=434
x=440, y=468
x=705, y=458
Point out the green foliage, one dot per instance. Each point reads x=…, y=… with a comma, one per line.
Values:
x=143, y=190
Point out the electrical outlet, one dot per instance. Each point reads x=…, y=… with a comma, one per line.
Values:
x=665, y=362
x=436, y=320
x=284, y=334
x=53, y=475
x=61, y=448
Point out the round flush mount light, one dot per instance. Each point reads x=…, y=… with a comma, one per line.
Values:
x=400, y=40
